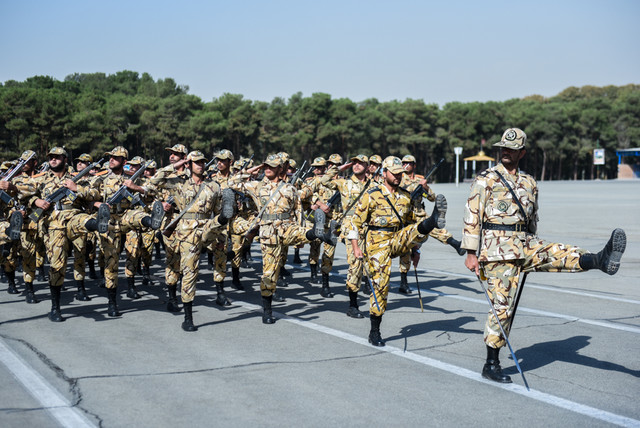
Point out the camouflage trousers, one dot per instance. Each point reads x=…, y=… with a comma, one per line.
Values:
x=79, y=257
x=314, y=252
x=58, y=243
x=10, y=254
x=189, y=251
x=440, y=234
x=4, y=225
x=41, y=248
x=354, y=273
x=503, y=280
x=138, y=246
x=28, y=240
x=172, y=259
x=288, y=235
x=381, y=247
x=110, y=242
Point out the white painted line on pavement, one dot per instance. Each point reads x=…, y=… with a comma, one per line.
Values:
x=42, y=391
x=460, y=371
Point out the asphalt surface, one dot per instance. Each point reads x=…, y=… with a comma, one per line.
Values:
x=576, y=336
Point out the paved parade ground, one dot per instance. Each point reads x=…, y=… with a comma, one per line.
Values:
x=576, y=336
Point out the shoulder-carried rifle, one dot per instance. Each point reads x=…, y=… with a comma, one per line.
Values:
x=63, y=192
x=123, y=191
x=419, y=190
x=4, y=196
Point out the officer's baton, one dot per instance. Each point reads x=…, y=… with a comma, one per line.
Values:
x=418, y=286
x=495, y=314
x=515, y=308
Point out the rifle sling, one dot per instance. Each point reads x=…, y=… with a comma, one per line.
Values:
x=516, y=199
x=189, y=205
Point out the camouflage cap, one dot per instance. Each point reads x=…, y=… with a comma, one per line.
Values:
x=237, y=164
x=178, y=148
x=273, y=160
x=85, y=157
x=375, y=159
x=152, y=165
x=224, y=154
x=284, y=156
x=293, y=164
x=319, y=161
x=513, y=138
x=408, y=158
x=335, y=158
x=393, y=164
x=195, y=156
x=58, y=151
x=27, y=153
x=137, y=160
x=118, y=151
x=105, y=165
x=360, y=158
x=7, y=165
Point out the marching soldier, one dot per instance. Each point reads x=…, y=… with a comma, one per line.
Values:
x=64, y=220
x=375, y=169
x=123, y=219
x=410, y=181
x=392, y=231
x=500, y=226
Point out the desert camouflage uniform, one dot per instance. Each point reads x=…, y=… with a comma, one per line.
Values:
x=410, y=184
x=503, y=255
x=138, y=243
x=387, y=236
x=28, y=236
x=64, y=222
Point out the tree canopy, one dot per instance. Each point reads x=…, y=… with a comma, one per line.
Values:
x=93, y=112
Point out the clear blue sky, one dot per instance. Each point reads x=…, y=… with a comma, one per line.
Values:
x=438, y=51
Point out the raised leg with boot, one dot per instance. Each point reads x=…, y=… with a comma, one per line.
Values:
x=607, y=259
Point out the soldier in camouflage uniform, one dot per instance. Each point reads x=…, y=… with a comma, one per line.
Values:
x=123, y=219
x=410, y=181
x=319, y=166
x=392, y=231
x=350, y=189
x=11, y=223
x=204, y=219
x=65, y=220
x=374, y=172
x=280, y=225
x=148, y=237
x=501, y=242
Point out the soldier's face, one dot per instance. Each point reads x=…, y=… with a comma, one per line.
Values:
x=81, y=165
x=149, y=172
x=511, y=157
x=57, y=162
x=393, y=179
x=271, y=172
x=134, y=168
x=197, y=167
x=116, y=162
x=359, y=167
x=409, y=166
x=223, y=164
x=319, y=170
x=175, y=157
x=373, y=168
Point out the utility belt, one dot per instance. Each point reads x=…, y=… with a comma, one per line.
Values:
x=517, y=227
x=272, y=217
x=385, y=228
x=195, y=216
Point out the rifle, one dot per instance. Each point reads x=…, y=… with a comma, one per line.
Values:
x=4, y=196
x=297, y=174
x=123, y=191
x=334, y=199
x=63, y=192
x=247, y=162
x=419, y=191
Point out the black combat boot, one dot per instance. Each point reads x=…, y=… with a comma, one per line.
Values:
x=284, y=272
x=456, y=246
x=608, y=259
x=374, y=335
x=325, y=291
x=235, y=278
x=210, y=258
x=41, y=276
x=92, y=269
x=267, y=314
x=81, y=295
x=296, y=256
x=317, y=232
x=11, y=279
x=112, y=308
x=172, y=304
x=187, y=324
x=353, y=310
x=314, y=273
x=158, y=246
x=55, y=314
x=146, y=276
x=492, y=369
x=132, y=293
x=31, y=295
x=221, y=298
x=437, y=219
x=103, y=218
x=404, y=284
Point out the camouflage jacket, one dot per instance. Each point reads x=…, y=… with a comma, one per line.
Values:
x=491, y=202
x=374, y=210
x=350, y=189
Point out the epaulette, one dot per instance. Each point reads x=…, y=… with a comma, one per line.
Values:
x=39, y=175
x=375, y=189
x=97, y=174
x=402, y=188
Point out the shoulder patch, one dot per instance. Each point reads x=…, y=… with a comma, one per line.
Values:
x=38, y=175
x=101, y=173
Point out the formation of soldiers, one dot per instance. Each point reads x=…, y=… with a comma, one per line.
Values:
x=101, y=211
